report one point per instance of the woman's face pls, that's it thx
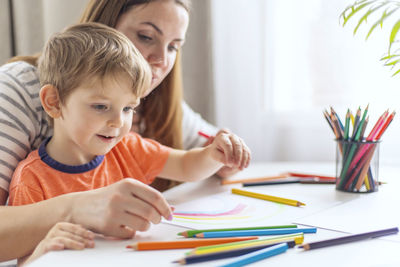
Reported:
(158, 30)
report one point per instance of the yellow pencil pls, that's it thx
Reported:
(267, 197)
(297, 238)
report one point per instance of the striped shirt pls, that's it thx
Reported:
(23, 125)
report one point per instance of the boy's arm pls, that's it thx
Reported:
(191, 165)
(226, 150)
(103, 210)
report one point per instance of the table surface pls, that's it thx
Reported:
(373, 252)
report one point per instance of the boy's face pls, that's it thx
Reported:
(95, 117)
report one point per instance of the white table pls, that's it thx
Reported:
(374, 252)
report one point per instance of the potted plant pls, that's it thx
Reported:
(378, 11)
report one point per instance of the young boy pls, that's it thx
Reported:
(92, 80)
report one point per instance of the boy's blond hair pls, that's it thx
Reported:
(91, 51)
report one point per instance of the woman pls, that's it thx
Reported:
(157, 28)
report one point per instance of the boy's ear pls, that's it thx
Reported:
(50, 100)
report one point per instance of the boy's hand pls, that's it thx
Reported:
(230, 150)
(121, 209)
(63, 235)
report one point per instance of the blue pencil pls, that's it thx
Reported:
(227, 254)
(256, 232)
(258, 255)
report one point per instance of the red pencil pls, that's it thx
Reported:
(204, 134)
(383, 128)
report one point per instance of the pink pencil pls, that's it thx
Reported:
(204, 134)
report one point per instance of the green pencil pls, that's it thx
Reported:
(353, 147)
(191, 233)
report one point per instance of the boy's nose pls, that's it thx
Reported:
(116, 121)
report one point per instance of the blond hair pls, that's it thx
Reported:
(91, 50)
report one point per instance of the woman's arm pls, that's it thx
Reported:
(117, 210)
(23, 124)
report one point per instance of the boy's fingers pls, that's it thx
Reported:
(145, 210)
(151, 196)
(237, 149)
(225, 144)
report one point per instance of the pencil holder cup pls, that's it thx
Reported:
(357, 166)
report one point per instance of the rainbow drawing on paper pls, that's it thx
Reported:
(213, 215)
(225, 210)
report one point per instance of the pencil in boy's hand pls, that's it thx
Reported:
(349, 238)
(186, 243)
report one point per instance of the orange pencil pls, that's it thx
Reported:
(252, 180)
(186, 243)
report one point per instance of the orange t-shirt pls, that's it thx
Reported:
(40, 177)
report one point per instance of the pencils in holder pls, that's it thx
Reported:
(357, 157)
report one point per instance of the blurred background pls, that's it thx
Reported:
(266, 69)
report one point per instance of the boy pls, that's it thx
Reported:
(92, 80)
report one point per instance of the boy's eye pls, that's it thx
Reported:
(99, 107)
(129, 109)
(173, 48)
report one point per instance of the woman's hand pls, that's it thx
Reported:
(120, 209)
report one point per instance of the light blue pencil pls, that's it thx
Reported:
(282, 231)
(258, 255)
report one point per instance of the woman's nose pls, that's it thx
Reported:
(158, 57)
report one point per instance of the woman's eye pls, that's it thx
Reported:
(99, 107)
(144, 37)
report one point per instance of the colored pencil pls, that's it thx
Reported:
(191, 233)
(349, 238)
(256, 179)
(338, 119)
(256, 232)
(225, 254)
(353, 147)
(310, 175)
(204, 135)
(186, 243)
(280, 200)
(356, 123)
(328, 119)
(297, 238)
(298, 180)
(347, 125)
(258, 255)
(384, 127)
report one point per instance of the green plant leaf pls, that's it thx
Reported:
(397, 72)
(394, 32)
(357, 6)
(384, 16)
(369, 12)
